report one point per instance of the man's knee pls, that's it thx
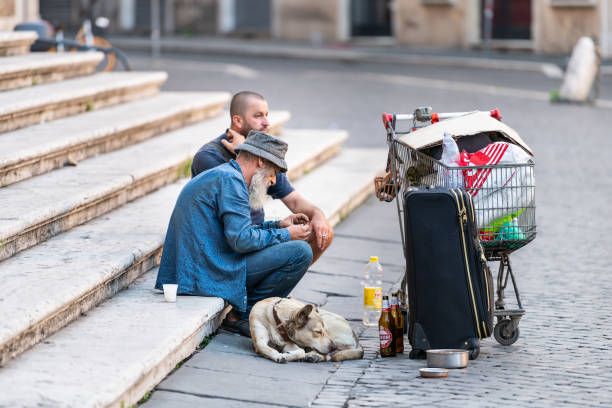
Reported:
(316, 251)
(329, 240)
(302, 252)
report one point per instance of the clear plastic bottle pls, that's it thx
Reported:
(517, 232)
(372, 292)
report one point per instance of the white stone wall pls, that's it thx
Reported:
(557, 29)
(13, 12)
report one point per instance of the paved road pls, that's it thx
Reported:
(353, 96)
(563, 357)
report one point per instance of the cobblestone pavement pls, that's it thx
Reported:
(563, 356)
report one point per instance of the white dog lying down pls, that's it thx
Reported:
(283, 328)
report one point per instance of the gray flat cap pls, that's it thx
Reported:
(267, 147)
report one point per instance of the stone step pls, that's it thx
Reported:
(128, 344)
(302, 142)
(16, 42)
(43, 206)
(28, 106)
(88, 256)
(340, 185)
(115, 354)
(22, 71)
(53, 283)
(41, 148)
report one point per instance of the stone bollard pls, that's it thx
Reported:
(581, 72)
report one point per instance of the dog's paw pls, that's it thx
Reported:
(281, 358)
(313, 357)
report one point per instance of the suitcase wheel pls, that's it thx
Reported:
(417, 354)
(506, 332)
(473, 348)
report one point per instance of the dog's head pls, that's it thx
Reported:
(307, 329)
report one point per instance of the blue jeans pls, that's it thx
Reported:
(275, 270)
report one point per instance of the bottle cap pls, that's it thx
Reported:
(373, 259)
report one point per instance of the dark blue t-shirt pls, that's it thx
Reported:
(210, 156)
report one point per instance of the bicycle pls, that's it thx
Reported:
(51, 39)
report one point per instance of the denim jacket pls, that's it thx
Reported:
(209, 235)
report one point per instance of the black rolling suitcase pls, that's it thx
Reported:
(450, 288)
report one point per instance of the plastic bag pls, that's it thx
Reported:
(498, 191)
(450, 158)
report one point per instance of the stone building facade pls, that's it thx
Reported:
(543, 26)
(13, 12)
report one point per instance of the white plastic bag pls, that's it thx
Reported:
(498, 191)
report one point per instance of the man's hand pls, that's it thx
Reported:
(234, 139)
(300, 232)
(294, 219)
(321, 229)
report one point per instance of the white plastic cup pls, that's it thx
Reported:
(170, 292)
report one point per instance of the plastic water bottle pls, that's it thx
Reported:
(517, 232)
(450, 158)
(372, 292)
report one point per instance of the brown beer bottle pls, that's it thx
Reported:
(386, 330)
(398, 319)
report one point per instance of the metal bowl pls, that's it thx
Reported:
(448, 358)
(433, 372)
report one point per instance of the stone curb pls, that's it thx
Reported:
(233, 48)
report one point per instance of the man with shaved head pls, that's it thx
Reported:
(249, 112)
(242, 101)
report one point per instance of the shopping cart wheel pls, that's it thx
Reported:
(506, 332)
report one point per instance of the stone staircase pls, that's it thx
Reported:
(36, 69)
(16, 42)
(90, 168)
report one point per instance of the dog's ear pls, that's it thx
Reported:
(302, 316)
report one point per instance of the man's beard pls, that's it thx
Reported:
(247, 128)
(258, 189)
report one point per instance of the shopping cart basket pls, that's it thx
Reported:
(504, 207)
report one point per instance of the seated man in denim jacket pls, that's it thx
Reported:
(249, 111)
(213, 249)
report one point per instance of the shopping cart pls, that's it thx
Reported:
(504, 207)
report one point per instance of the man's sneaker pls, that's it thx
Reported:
(238, 326)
